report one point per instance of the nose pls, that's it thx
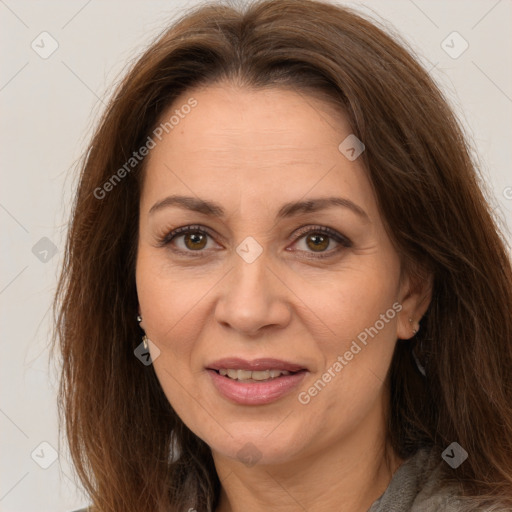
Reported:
(253, 298)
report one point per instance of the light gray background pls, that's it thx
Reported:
(49, 107)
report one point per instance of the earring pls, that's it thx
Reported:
(144, 338)
(420, 367)
(414, 329)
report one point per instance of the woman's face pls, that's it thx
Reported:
(271, 268)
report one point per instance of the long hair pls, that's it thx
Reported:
(130, 449)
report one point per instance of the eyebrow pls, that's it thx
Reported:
(287, 210)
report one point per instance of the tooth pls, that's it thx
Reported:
(261, 375)
(232, 374)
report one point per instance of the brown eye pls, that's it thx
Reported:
(195, 240)
(317, 242)
(188, 239)
(320, 242)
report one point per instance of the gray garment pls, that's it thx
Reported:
(416, 487)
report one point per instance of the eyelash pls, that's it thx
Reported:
(344, 242)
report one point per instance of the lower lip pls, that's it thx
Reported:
(256, 393)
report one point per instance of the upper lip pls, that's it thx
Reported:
(237, 363)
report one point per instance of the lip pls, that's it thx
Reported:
(255, 393)
(237, 363)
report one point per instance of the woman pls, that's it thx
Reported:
(284, 289)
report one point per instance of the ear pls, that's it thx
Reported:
(414, 296)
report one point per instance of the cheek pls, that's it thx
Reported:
(171, 300)
(174, 306)
(347, 302)
(358, 312)
(346, 391)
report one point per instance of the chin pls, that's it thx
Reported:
(257, 448)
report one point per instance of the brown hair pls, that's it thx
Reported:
(130, 449)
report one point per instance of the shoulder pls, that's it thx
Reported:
(418, 486)
(435, 496)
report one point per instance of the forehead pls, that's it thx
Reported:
(271, 120)
(255, 143)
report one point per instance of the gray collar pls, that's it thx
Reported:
(416, 487)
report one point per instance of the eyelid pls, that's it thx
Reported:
(304, 230)
(342, 241)
(183, 230)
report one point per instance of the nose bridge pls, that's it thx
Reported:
(252, 297)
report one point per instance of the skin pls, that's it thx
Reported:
(251, 151)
